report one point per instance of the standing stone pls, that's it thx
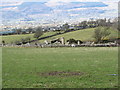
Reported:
(28, 44)
(63, 40)
(46, 42)
(78, 42)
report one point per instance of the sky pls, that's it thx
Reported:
(111, 3)
(61, 0)
(112, 8)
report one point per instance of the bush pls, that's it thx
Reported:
(71, 41)
(3, 42)
(17, 42)
(38, 32)
(101, 33)
(27, 39)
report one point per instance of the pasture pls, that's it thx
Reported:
(13, 38)
(83, 67)
(84, 35)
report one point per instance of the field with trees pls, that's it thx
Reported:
(85, 67)
(62, 67)
(84, 31)
(13, 38)
(84, 35)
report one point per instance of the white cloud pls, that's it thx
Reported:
(112, 5)
(77, 9)
(11, 3)
(25, 0)
(109, 0)
(10, 9)
(52, 3)
(56, 1)
(74, 14)
(61, 0)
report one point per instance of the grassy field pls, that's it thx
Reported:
(41, 67)
(13, 38)
(84, 35)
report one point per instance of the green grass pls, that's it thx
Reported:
(13, 38)
(22, 65)
(84, 35)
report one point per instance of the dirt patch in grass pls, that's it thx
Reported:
(60, 73)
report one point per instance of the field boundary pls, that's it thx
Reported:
(72, 45)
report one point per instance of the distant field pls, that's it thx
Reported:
(84, 67)
(84, 35)
(13, 38)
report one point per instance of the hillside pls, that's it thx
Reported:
(13, 38)
(84, 35)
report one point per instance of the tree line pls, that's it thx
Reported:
(67, 28)
(100, 33)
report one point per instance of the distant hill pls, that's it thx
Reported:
(31, 8)
(32, 11)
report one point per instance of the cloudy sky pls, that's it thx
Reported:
(111, 3)
(62, 0)
(110, 11)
